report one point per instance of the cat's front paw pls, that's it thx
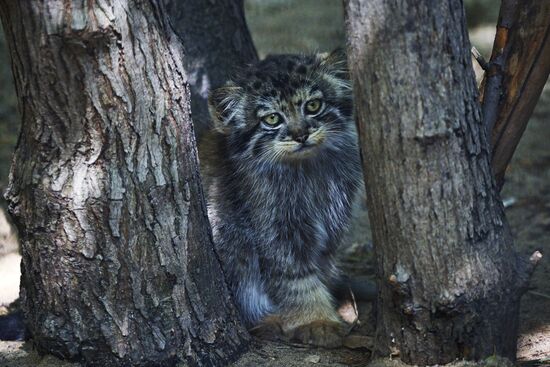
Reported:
(322, 333)
(270, 329)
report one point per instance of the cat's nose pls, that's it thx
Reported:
(301, 138)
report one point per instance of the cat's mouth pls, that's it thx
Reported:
(295, 150)
(302, 151)
(310, 145)
(304, 147)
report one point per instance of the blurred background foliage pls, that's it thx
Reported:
(481, 12)
(9, 120)
(277, 26)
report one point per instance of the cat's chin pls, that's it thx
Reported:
(304, 149)
(302, 153)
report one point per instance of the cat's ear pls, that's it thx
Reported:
(225, 107)
(335, 62)
(334, 67)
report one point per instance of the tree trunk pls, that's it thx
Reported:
(216, 41)
(521, 63)
(118, 261)
(449, 280)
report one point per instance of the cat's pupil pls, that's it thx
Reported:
(313, 106)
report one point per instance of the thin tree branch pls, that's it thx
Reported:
(479, 58)
(495, 73)
(518, 70)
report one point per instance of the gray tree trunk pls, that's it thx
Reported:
(118, 261)
(216, 41)
(449, 279)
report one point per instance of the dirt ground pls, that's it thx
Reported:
(528, 183)
(527, 190)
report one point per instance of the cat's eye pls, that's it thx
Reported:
(273, 119)
(313, 106)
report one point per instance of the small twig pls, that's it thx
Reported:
(526, 268)
(539, 294)
(479, 58)
(535, 258)
(355, 308)
(509, 202)
(293, 344)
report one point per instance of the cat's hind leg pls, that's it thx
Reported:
(308, 313)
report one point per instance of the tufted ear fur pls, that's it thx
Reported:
(335, 62)
(225, 107)
(335, 70)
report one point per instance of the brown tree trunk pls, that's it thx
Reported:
(449, 279)
(519, 68)
(216, 41)
(118, 261)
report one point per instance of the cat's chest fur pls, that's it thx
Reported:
(296, 214)
(297, 206)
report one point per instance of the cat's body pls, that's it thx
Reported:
(286, 169)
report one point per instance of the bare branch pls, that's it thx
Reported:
(517, 72)
(479, 58)
(495, 73)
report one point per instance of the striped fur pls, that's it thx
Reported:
(279, 205)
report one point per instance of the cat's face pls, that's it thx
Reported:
(286, 108)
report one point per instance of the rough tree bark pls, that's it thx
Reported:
(216, 41)
(449, 279)
(118, 262)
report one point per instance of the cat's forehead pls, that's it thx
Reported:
(286, 78)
